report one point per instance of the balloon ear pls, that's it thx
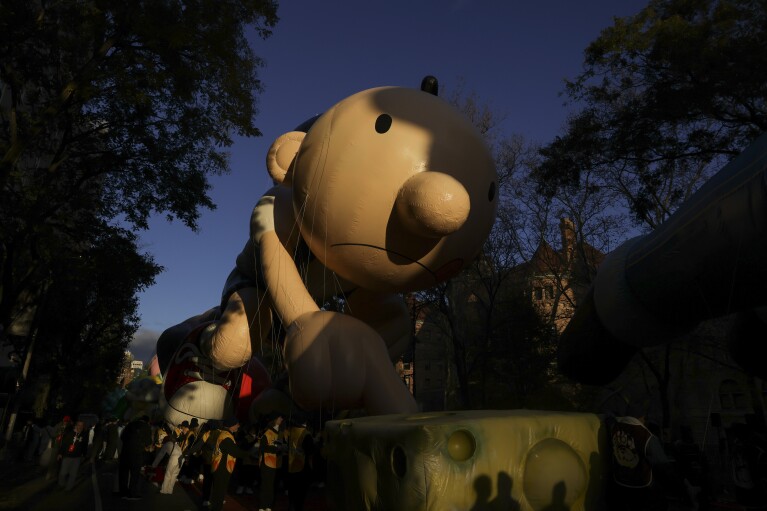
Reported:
(281, 155)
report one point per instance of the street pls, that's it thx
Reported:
(24, 487)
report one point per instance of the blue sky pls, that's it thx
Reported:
(514, 55)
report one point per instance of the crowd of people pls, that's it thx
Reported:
(282, 455)
(278, 454)
(648, 474)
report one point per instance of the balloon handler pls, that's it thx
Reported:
(391, 190)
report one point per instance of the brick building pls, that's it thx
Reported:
(552, 280)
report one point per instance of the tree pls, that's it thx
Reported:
(582, 217)
(498, 347)
(109, 112)
(86, 318)
(667, 95)
(120, 109)
(89, 316)
(562, 240)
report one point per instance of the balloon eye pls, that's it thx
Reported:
(491, 192)
(399, 461)
(461, 445)
(383, 123)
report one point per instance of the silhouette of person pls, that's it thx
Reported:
(503, 501)
(483, 487)
(558, 494)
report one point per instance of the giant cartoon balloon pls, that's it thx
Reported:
(390, 190)
(707, 260)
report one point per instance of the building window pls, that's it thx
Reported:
(406, 366)
(538, 293)
(549, 292)
(731, 396)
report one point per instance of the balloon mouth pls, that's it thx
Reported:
(388, 251)
(444, 272)
(448, 270)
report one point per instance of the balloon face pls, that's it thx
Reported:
(394, 190)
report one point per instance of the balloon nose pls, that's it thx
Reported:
(433, 204)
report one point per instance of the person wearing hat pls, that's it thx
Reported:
(180, 437)
(227, 453)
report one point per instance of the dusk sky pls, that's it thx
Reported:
(514, 55)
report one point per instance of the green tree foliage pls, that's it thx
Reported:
(111, 111)
(139, 97)
(666, 96)
(119, 109)
(88, 315)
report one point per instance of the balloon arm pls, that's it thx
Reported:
(274, 213)
(284, 284)
(228, 341)
(387, 314)
(338, 361)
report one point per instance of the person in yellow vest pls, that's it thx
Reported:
(163, 443)
(300, 451)
(160, 431)
(271, 457)
(179, 438)
(207, 434)
(191, 469)
(247, 472)
(226, 454)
